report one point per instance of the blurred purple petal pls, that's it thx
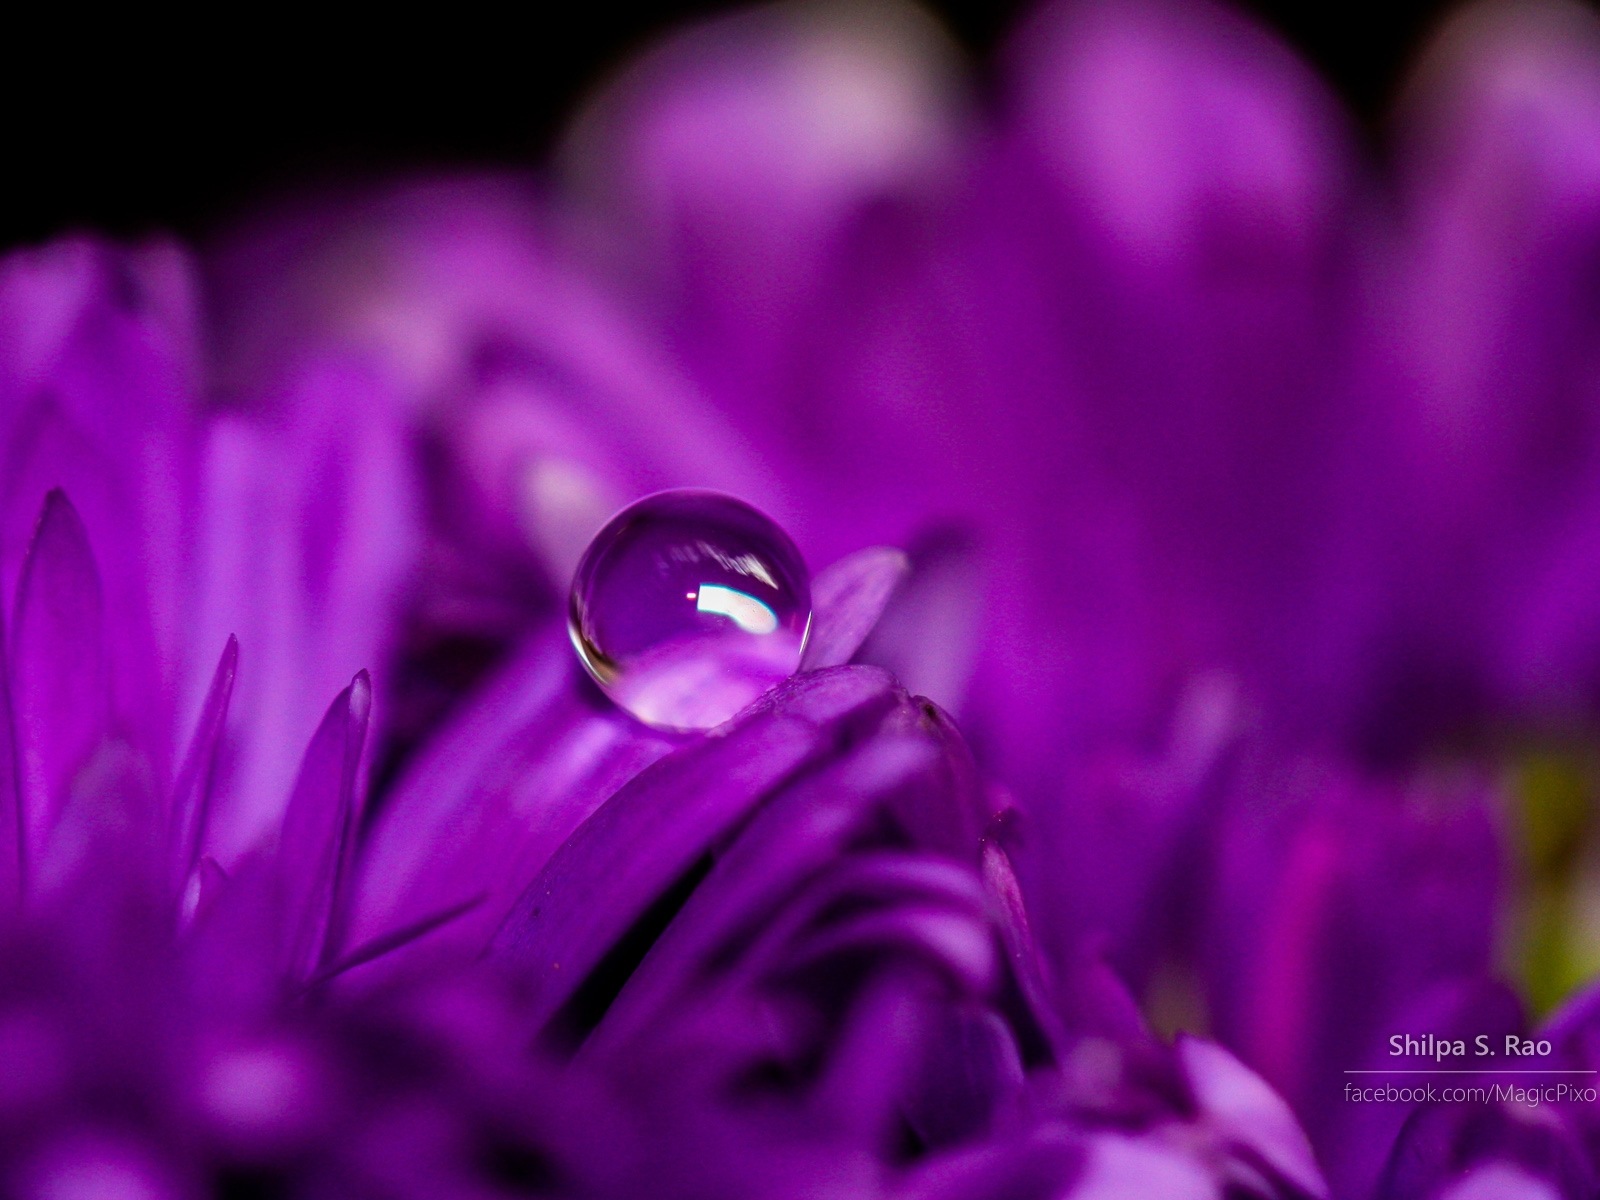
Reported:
(309, 531)
(847, 598)
(1482, 442)
(1498, 1148)
(59, 674)
(110, 825)
(1250, 1114)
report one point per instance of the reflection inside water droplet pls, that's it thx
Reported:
(687, 606)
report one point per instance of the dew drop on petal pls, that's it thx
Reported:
(687, 606)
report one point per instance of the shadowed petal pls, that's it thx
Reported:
(58, 665)
(1038, 1167)
(492, 796)
(319, 828)
(652, 833)
(803, 830)
(970, 1071)
(1496, 1149)
(13, 831)
(191, 792)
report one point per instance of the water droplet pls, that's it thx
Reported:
(687, 606)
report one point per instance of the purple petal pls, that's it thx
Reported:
(971, 1070)
(1121, 836)
(802, 831)
(1016, 939)
(495, 793)
(651, 833)
(108, 833)
(550, 411)
(930, 632)
(309, 534)
(209, 880)
(98, 1165)
(1163, 501)
(847, 599)
(1324, 877)
(1499, 1181)
(319, 829)
(58, 666)
(97, 402)
(1488, 1147)
(191, 792)
(1355, 1140)
(13, 831)
(1240, 1105)
(950, 937)
(1482, 383)
(390, 942)
(1118, 1165)
(728, 167)
(871, 1062)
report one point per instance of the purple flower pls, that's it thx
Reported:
(1114, 824)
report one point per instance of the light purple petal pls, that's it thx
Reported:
(726, 170)
(1457, 581)
(931, 630)
(847, 598)
(309, 536)
(98, 401)
(1250, 1114)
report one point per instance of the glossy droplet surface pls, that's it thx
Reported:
(687, 606)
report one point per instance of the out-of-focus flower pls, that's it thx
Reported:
(792, 952)
(1245, 492)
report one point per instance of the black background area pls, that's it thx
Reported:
(129, 127)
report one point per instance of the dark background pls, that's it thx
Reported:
(177, 128)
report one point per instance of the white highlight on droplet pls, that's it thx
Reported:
(748, 613)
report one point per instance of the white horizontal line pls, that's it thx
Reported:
(1524, 1071)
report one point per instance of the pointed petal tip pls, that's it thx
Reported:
(228, 661)
(360, 696)
(57, 507)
